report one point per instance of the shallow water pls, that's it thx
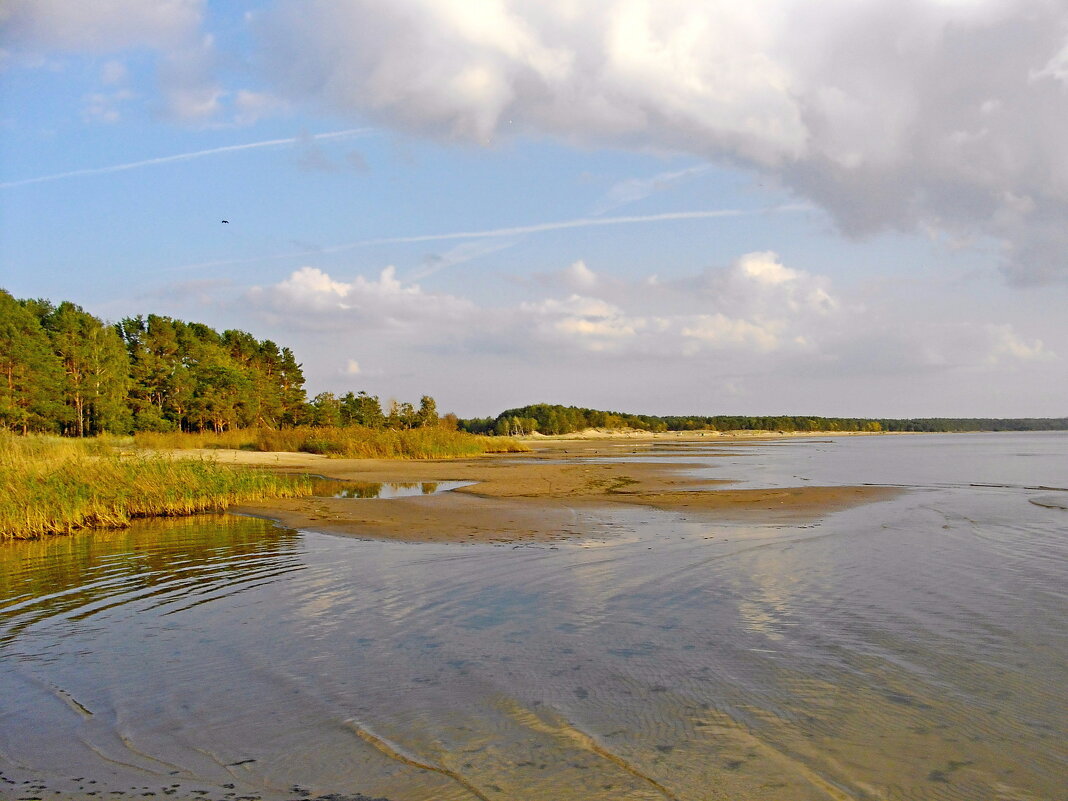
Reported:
(367, 490)
(910, 649)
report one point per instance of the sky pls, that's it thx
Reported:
(841, 208)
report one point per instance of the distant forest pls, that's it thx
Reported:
(552, 419)
(64, 371)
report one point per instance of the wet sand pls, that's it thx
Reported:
(529, 497)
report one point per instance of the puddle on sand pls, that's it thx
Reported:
(330, 488)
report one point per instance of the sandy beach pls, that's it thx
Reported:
(533, 496)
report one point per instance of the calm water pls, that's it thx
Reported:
(911, 649)
(366, 490)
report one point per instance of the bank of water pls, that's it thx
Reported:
(910, 649)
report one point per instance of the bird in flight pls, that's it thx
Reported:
(225, 222)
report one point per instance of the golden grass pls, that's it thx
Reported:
(50, 485)
(351, 442)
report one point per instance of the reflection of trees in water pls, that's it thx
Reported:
(363, 490)
(151, 563)
(329, 488)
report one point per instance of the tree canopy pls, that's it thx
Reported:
(64, 371)
(554, 419)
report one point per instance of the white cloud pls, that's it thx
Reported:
(191, 92)
(693, 338)
(1007, 345)
(98, 26)
(580, 276)
(310, 298)
(754, 311)
(925, 115)
(616, 70)
(719, 330)
(765, 268)
(760, 283)
(575, 305)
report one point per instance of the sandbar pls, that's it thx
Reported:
(550, 494)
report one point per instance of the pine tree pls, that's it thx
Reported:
(95, 367)
(30, 373)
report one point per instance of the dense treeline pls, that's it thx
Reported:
(64, 371)
(553, 419)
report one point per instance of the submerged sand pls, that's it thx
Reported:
(534, 496)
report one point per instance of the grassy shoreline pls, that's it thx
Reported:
(354, 442)
(50, 485)
(55, 485)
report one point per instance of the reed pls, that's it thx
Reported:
(50, 485)
(353, 442)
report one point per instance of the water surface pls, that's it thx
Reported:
(910, 649)
(369, 490)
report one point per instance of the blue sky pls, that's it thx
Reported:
(674, 207)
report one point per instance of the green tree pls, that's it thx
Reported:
(401, 415)
(362, 410)
(31, 375)
(325, 410)
(290, 382)
(427, 415)
(95, 365)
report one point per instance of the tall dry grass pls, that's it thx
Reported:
(352, 442)
(50, 485)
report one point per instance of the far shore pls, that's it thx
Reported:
(696, 435)
(550, 494)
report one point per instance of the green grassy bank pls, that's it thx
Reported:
(50, 485)
(353, 442)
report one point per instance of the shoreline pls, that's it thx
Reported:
(697, 435)
(529, 497)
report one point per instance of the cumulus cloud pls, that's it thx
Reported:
(753, 315)
(920, 115)
(310, 298)
(1006, 345)
(720, 330)
(580, 276)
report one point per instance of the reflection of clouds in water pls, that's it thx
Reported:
(766, 607)
(688, 655)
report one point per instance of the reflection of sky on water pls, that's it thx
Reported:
(908, 649)
(369, 490)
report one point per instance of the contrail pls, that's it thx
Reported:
(133, 165)
(491, 233)
(581, 222)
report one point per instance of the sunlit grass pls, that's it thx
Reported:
(50, 485)
(351, 442)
